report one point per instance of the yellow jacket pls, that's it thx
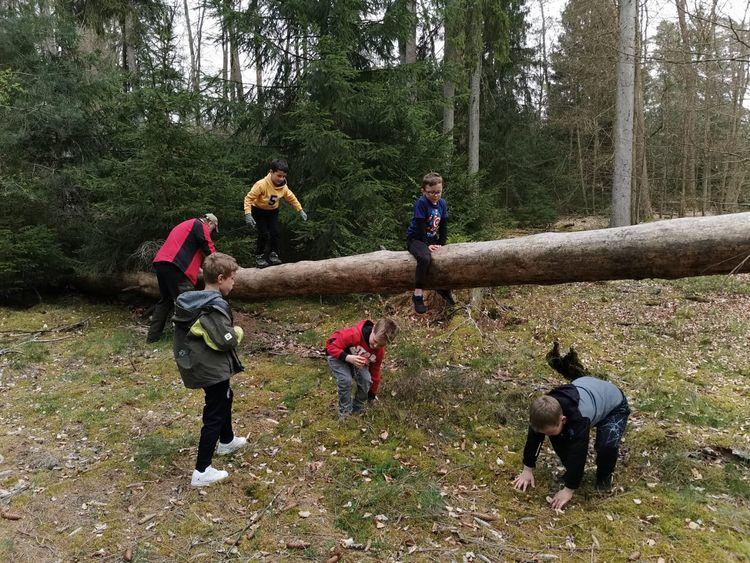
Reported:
(264, 195)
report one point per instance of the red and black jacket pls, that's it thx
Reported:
(186, 246)
(356, 340)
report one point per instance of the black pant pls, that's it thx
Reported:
(269, 231)
(172, 282)
(420, 251)
(217, 422)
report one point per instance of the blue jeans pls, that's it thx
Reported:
(609, 433)
(346, 375)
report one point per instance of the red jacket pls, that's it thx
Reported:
(186, 246)
(351, 340)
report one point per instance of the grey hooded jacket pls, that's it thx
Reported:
(202, 365)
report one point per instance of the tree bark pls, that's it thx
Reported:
(407, 47)
(621, 187)
(235, 73)
(449, 71)
(677, 248)
(687, 193)
(191, 47)
(544, 85)
(643, 209)
(475, 88)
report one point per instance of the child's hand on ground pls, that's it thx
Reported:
(434, 247)
(356, 361)
(524, 479)
(561, 498)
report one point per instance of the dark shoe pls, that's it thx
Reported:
(274, 259)
(261, 262)
(151, 338)
(448, 296)
(419, 305)
(604, 483)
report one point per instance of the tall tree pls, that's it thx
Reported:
(621, 185)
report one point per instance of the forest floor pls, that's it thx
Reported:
(98, 436)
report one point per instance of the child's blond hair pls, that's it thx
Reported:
(385, 329)
(217, 264)
(545, 412)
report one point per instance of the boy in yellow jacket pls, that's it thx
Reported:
(262, 212)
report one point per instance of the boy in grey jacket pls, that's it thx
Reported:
(205, 349)
(567, 414)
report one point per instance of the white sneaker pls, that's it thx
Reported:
(207, 477)
(236, 443)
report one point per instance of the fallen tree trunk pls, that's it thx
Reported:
(670, 249)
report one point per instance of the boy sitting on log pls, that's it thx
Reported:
(566, 414)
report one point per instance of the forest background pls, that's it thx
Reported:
(111, 132)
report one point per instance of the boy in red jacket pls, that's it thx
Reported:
(355, 354)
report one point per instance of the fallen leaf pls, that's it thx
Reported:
(128, 555)
(10, 515)
(304, 514)
(484, 516)
(637, 501)
(384, 435)
(146, 518)
(694, 525)
(379, 525)
(635, 556)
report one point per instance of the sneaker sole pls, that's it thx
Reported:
(198, 485)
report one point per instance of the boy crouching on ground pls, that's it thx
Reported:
(355, 354)
(566, 414)
(205, 349)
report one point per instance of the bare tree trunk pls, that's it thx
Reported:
(287, 61)
(623, 170)
(643, 208)
(235, 70)
(407, 47)
(594, 168)
(449, 69)
(48, 43)
(474, 96)
(581, 170)
(258, 52)
(544, 86)
(734, 171)
(687, 193)
(411, 39)
(129, 60)
(191, 47)
(225, 63)
(708, 95)
(199, 42)
(704, 245)
(475, 87)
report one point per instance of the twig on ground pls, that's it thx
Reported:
(447, 337)
(62, 328)
(254, 520)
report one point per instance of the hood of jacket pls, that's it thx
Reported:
(190, 303)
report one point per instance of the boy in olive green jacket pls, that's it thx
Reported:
(205, 349)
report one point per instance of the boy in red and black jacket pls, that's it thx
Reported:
(355, 354)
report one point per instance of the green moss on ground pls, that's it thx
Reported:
(101, 429)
